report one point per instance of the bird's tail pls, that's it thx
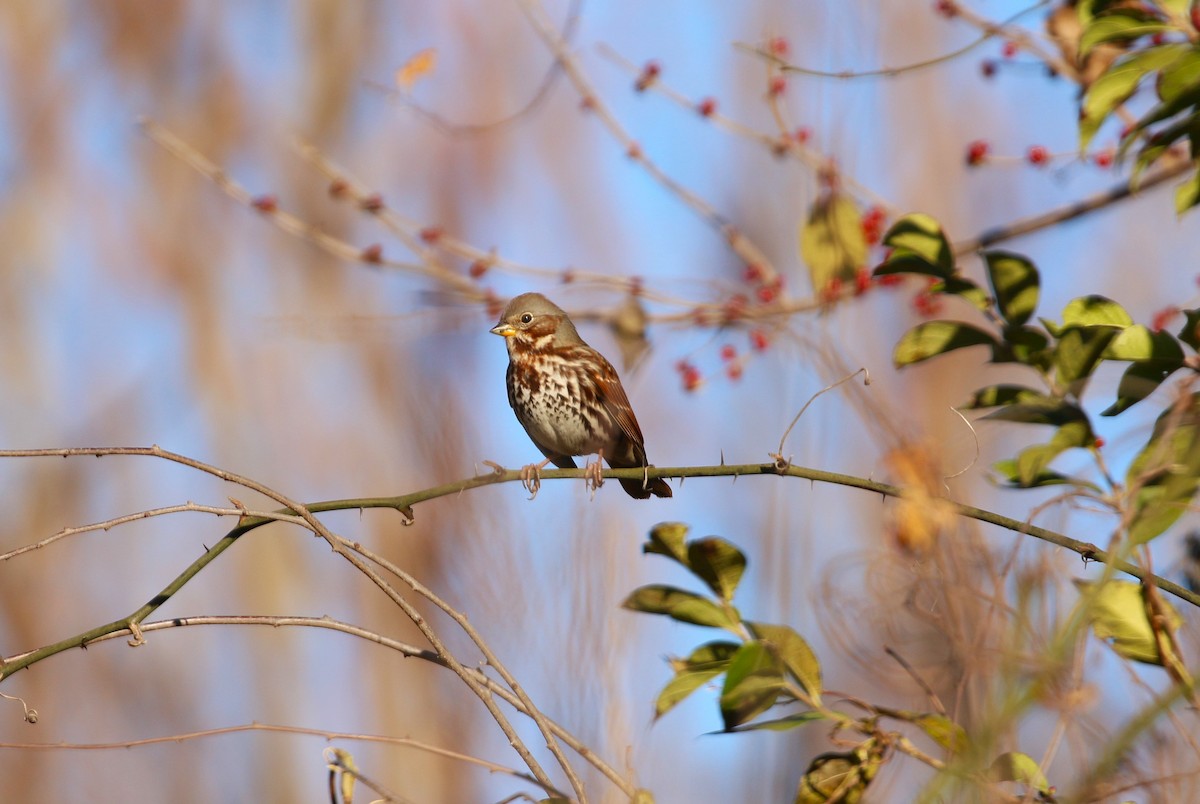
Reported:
(656, 486)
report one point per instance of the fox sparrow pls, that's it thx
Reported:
(567, 396)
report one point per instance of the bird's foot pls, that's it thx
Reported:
(593, 475)
(531, 477)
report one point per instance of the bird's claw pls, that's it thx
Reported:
(531, 478)
(593, 476)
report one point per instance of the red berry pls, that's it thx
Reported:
(1037, 155)
(431, 234)
(803, 135)
(890, 280)
(477, 269)
(927, 304)
(372, 203)
(728, 352)
(862, 281)
(568, 276)
(1158, 38)
(987, 68)
(1009, 50)
(758, 340)
(649, 75)
(265, 203)
(767, 293)
(1162, 319)
(947, 8)
(338, 187)
(1104, 159)
(778, 47)
(872, 223)
(977, 152)
(754, 272)
(372, 253)
(832, 290)
(1098, 443)
(734, 371)
(689, 374)
(776, 86)
(707, 107)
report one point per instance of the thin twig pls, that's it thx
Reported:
(1071, 211)
(148, 514)
(403, 648)
(990, 32)
(778, 455)
(741, 245)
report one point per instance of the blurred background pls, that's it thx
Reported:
(139, 304)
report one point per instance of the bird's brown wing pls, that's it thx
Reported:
(615, 401)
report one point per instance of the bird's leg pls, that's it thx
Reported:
(531, 477)
(593, 476)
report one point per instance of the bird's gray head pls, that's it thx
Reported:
(533, 321)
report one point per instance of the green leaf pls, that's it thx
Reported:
(1180, 76)
(1162, 139)
(943, 731)
(795, 653)
(1117, 612)
(1090, 311)
(704, 664)
(1179, 7)
(718, 563)
(781, 724)
(1008, 470)
(964, 288)
(832, 243)
(1187, 195)
(752, 683)
(1017, 767)
(668, 539)
(1190, 334)
(1166, 472)
(844, 775)
(1138, 342)
(1156, 354)
(677, 604)
(1045, 410)
(920, 246)
(1032, 462)
(1024, 345)
(1115, 86)
(1077, 354)
(1126, 25)
(1137, 383)
(993, 396)
(933, 338)
(1015, 283)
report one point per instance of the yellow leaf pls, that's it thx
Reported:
(415, 69)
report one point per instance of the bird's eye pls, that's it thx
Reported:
(526, 318)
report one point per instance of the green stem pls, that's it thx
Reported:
(404, 503)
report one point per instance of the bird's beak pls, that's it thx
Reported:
(504, 330)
